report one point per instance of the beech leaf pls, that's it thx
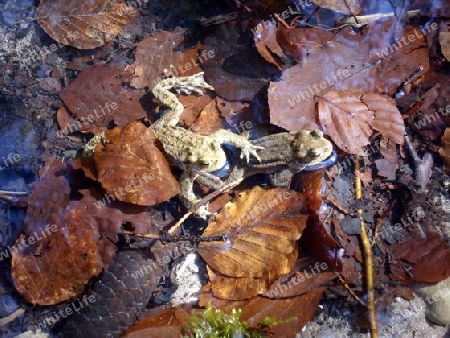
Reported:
(155, 56)
(96, 98)
(83, 24)
(261, 229)
(342, 62)
(303, 307)
(348, 118)
(60, 250)
(131, 168)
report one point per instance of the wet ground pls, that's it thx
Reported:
(31, 78)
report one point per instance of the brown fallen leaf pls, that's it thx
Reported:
(348, 118)
(193, 107)
(292, 100)
(167, 324)
(154, 58)
(386, 168)
(388, 149)
(369, 62)
(430, 264)
(131, 168)
(59, 267)
(444, 41)
(96, 98)
(302, 307)
(347, 7)
(208, 121)
(307, 276)
(301, 42)
(61, 249)
(236, 72)
(70, 125)
(81, 24)
(266, 43)
(444, 150)
(261, 228)
(114, 213)
(388, 119)
(240, 288)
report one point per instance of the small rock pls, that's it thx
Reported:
(437, 300)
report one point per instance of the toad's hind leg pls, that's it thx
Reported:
(186, 85)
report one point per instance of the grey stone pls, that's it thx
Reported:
(437, 300)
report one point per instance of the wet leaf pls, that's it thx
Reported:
(444, 151)
(347, 7)
(131, 168)
(208, 121)
(81, 24)
(261, 229)
(61, 249)
(302, 307)
(167, 323)
(301, 42)
(292, 100)
(155, 57)
(367, 62)
(235, 71)
(96, 98)
(386, 168)
(60, 266)
(348, 118)
(444, 41)
(266, 43)
(430, 264)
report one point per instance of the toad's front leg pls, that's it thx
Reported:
(187, 194)
(247, 148)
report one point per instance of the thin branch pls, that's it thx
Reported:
(367, 249)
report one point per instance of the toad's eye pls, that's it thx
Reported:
(315, 152)
(191, 159)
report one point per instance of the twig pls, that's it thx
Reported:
(338, 207)
(381, 219)
(350, 291)
(367, 249)
(7, 192)
(203, 201)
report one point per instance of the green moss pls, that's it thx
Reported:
(212, 323)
